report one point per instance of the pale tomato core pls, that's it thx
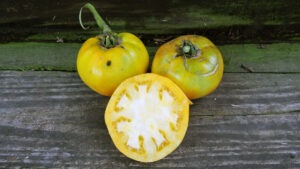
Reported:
(151, 113)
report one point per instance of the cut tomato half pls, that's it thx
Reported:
(147, 117)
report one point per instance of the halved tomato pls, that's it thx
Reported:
(147, 117)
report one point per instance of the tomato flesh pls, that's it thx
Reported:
(147, 117)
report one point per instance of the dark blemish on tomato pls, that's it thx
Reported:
(108, 63)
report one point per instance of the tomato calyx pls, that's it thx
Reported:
(188, 50)
(108, 39)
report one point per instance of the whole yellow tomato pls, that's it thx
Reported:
(193, 62)
(103, 69)
(105, 61)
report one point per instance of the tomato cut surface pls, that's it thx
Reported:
(147, 117)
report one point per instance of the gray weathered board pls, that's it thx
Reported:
(52, 120)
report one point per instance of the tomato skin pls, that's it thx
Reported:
(196, 76)
(103, 69)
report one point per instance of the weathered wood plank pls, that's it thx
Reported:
(277, 57)
(238, 94)
(257, 20)
(67, 12)
(52, 120)
(269, 141)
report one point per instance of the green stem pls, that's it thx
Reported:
(108, 38)
(99, 20)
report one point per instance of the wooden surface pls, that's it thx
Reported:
(223, 22)
(50, 119)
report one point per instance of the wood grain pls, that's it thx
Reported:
(230, 21)
(268, 141)
(238, 94)
(52, 120)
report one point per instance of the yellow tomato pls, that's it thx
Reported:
(147, 117)
(104, 61)
(103, 69)
(193, 62)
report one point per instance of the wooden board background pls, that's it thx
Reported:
(231, 21)
(50, 119)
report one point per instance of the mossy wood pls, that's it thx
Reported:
(277, 57)
(223, 22)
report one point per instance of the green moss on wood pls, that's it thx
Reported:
(38, 56)
(45, 22)
(277, 57)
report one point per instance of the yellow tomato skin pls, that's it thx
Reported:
(103, 69)
(196, 76)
